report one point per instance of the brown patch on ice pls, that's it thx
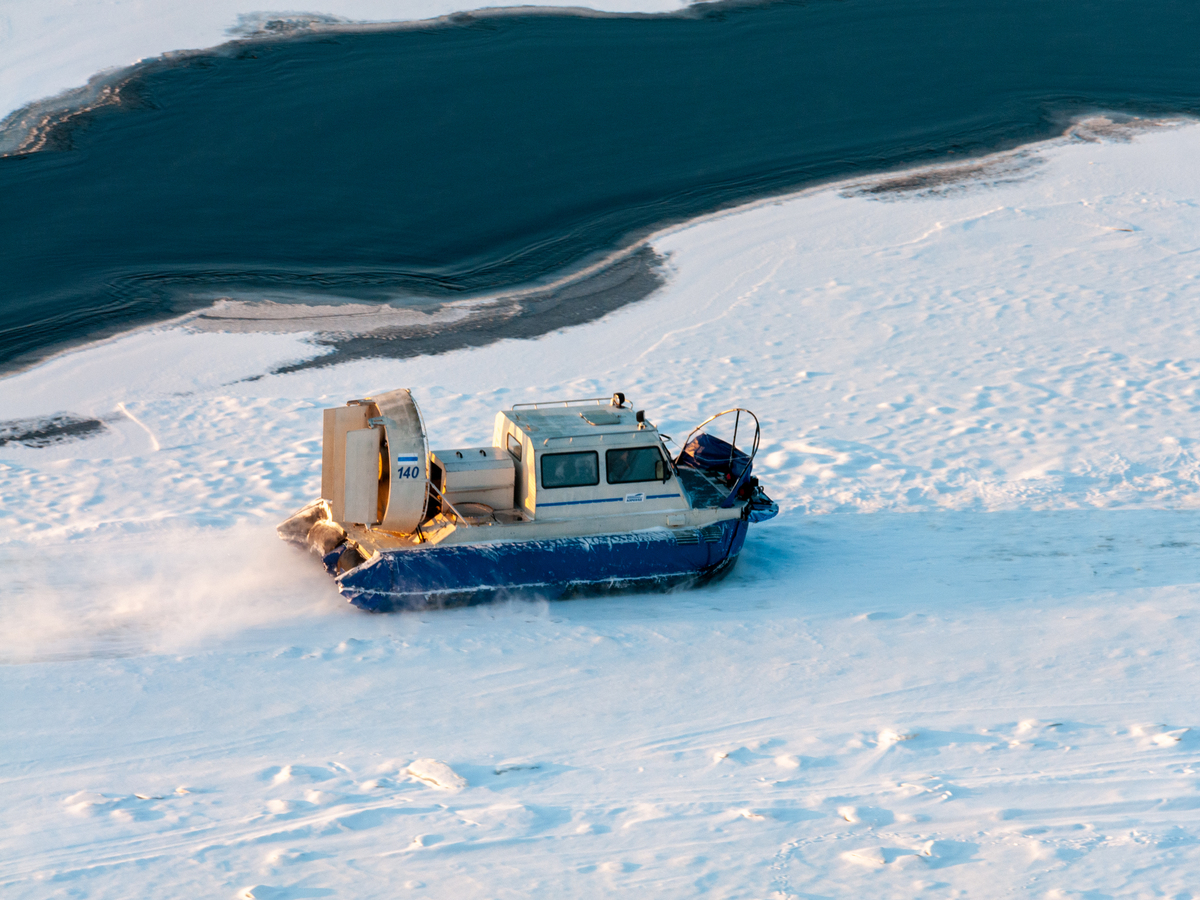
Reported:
(257, 316)
(945, 179)
(1117, 129)
(46, 432)
(372, 331)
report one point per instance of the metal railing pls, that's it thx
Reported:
(737, 410)
(460, 516)
(581, 400)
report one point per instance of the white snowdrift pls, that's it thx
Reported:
(961, 660)
(436, 774)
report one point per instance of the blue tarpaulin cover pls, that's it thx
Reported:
(715, 455)
(707, 452)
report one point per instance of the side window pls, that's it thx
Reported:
(632, 464)
(514, 446)
(570, 469)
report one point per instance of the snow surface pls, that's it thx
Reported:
(962, 661)
(48, 48)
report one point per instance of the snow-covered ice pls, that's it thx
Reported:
(961, 661)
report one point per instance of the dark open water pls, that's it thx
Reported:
(493, 152)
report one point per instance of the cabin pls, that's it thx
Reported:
(565, 462)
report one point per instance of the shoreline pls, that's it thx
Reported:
(342, 332)
(24, 129)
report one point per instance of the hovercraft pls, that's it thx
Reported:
(571, 497)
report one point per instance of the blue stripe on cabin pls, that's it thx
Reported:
(579, 502)
(606, 500)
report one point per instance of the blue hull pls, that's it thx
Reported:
(463, 574)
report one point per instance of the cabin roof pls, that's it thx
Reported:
(573, 421)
